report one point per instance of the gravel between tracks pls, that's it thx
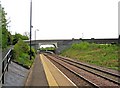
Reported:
(102, 68)
(97, 80)
(78, 81)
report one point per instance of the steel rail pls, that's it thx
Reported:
(112, 80)
(117, 75)
(75, 73)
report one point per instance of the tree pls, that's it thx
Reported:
(20, 48)
(18, 36)
(4, 29)
(6, 37)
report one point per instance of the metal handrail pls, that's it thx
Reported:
(6, 55)
(5, 63)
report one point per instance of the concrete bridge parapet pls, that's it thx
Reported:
(61, 44)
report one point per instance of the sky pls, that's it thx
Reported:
(64, 19)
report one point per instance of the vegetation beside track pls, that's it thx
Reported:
(21, 54)
(105, 55)
(6, 38)
(21, 51)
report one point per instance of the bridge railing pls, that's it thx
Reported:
(5, 63)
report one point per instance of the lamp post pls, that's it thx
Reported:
(82, 35)
(35, 39)
(30, 27)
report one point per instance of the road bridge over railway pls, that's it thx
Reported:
(61, 44)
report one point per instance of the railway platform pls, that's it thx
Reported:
(36, 75)
(45, 73)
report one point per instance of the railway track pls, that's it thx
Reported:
(99, 77)
(99, 72)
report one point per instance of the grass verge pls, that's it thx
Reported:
(105, 55)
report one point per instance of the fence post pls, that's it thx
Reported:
(11, 55)
(3, 72)
(7, 62)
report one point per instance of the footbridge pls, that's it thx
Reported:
(61, 44)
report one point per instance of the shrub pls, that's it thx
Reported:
(20, 48)
(21, 53)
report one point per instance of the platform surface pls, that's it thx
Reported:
(36, 76)
(54, 76)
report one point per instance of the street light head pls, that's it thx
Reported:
(37, 29)
(31, 26)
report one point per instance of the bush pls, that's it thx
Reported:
(32, 52)
(20, 48)
(25, 61)
(21, 53)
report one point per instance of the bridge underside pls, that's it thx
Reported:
(47, 43)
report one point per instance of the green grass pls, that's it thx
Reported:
(100, 55)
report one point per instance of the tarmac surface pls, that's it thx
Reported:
(37, 76)
(16, 75)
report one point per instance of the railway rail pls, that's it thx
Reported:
(94, 70)
(97, 77)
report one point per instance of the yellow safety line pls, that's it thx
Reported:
(50, 78)
(63, 74)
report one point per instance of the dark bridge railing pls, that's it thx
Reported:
(5, 62)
